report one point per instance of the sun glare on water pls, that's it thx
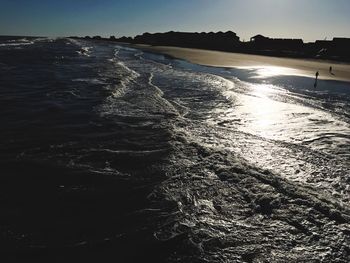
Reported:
(262, 112)
(273, 71)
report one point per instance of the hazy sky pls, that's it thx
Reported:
(308, 19)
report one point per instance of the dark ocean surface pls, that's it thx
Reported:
(113, 154)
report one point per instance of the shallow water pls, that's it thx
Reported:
(108, 150)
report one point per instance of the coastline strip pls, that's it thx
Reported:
(301, 67)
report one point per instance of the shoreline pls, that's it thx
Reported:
(272, 66)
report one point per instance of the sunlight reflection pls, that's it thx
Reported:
(272, 71)
(262, 112)
(266, 124)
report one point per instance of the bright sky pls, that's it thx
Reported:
(307, 19)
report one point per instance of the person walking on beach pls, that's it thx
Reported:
(331, 71)
(317, 74)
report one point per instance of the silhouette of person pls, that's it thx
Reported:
(317, 74)
(331, 71)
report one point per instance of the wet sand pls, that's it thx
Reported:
(279, 66)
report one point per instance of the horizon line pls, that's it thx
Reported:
(171, 31)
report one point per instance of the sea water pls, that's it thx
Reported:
(108, 151)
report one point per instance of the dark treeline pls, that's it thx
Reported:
(336, 49)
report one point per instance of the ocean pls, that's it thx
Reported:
(114, 153)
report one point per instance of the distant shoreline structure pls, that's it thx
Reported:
(336, 49)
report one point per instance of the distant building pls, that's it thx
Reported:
(341, 42)
(279, 44)
(227, 41)
(232, 35)
(258, 38)
(323, 43)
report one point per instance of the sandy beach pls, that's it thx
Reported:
(271, 65)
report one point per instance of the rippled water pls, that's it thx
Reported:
(112, 152)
